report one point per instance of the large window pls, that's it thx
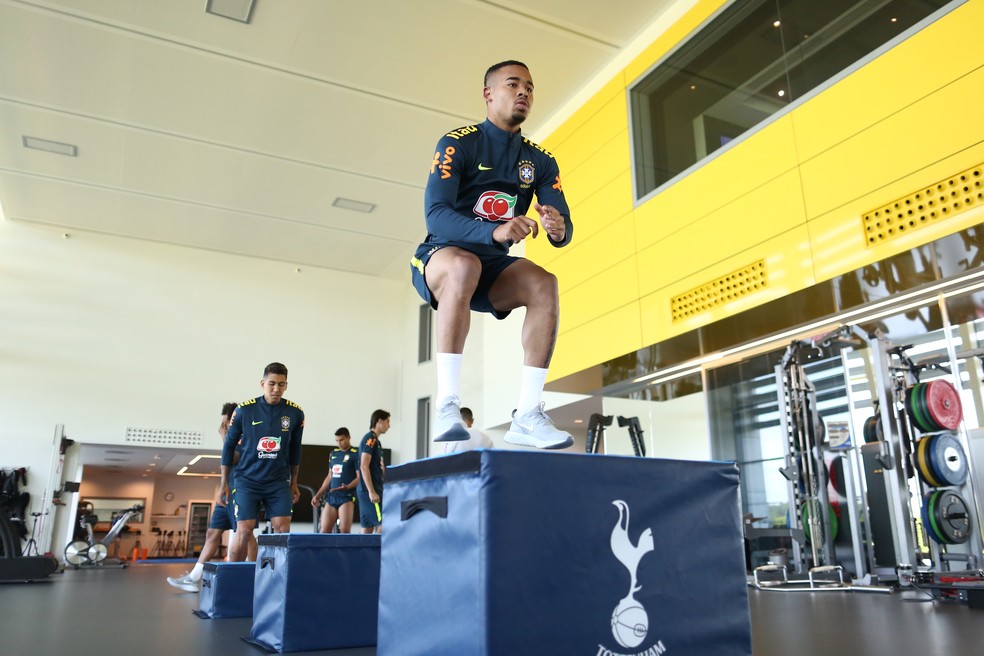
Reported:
(751, 61)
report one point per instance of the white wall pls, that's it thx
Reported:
(102, 333)
(671, 429)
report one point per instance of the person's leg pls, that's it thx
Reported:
(332, 519)
(345, 514)
(251, 547)
(367, 513)
(281, 524)
(525, 284)
(239, 544)
(279, 504)
(324, 526)
(218, 524)
(452, 275)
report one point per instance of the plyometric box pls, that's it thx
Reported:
(497, 553)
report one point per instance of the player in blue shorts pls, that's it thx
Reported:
(222, 520)
(372, 470)
(268, 430)
(339, 485)
(482, 182)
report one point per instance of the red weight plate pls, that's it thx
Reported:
(943, 404)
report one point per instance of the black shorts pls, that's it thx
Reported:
(492, 266)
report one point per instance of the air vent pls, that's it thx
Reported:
(938, 201)
(744, 281)
(163, 436)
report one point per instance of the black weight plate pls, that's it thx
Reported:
(923, 422)
(952, 517)
(872, 429)
(947, 459)
(943, 404)
(837, 476)
(922, 461)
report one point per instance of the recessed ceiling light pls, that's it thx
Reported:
(56, 147)
(355, 205)
(237, 10)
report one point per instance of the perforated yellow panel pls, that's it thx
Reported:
(736, 284)
(939, 201)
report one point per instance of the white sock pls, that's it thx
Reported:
(196, 572)
(448, 377)
(530, 389)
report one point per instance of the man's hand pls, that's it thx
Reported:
(374, 497)
(515, 230)
(222, 495)
(295, 493)
(552, 221)
(315, 500)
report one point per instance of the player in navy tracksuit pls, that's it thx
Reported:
(268, 430)
(339, 485)
(372, 470)
(481, 185)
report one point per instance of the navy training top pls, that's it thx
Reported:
(269, 438)
(343, 465)
(370, 444)
(481, 175)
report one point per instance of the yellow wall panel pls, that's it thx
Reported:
(944, 51)
(587, 256)
(600, 294)
(615, 88)
(604, 338)
(608, 122)
(760, 158)
(601, 167)
(789, 268)
(756, 217)
(930, 130)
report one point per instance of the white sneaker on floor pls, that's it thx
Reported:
(448, 425)
(534, 428)
(184, 582)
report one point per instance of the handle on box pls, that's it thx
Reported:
(266, 561)
(206, 583)
(410, 507)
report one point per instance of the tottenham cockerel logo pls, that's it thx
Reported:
(630, 623)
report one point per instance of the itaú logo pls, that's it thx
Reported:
(630, 622)
(495, 206)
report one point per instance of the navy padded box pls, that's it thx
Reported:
(227, 590)
(315, 591)
(497, 553)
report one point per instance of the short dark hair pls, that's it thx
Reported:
(494, 67)
(466, 414)
(229, 408)
(378, 415)
(343, 431)
(275, 368)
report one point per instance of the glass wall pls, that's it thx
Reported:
(753, 60)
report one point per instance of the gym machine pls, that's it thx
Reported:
(597, 425)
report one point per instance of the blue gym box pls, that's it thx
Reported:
(227, 590)
(498, 553)
(315, 591)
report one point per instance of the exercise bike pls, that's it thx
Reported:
(82, 553)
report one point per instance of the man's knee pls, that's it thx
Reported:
(457, 271)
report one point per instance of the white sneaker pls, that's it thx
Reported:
(535, 429)
(184, 582)
(448, 425)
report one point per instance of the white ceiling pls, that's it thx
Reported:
(201, 131)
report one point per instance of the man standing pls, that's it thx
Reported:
(482, 181)
(373, 470)
(476, 438)
(222, 520)
(340, 485)
(269, 429)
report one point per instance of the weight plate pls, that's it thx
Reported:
(929, 516)
(943, 404)
(951, 515)
(837, 476)
(805, 518)
(947, 459)
(76, 552)
(872, 429)
(922, 461)
(916, 408)
(97, 552)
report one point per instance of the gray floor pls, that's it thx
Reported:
(132, 611)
